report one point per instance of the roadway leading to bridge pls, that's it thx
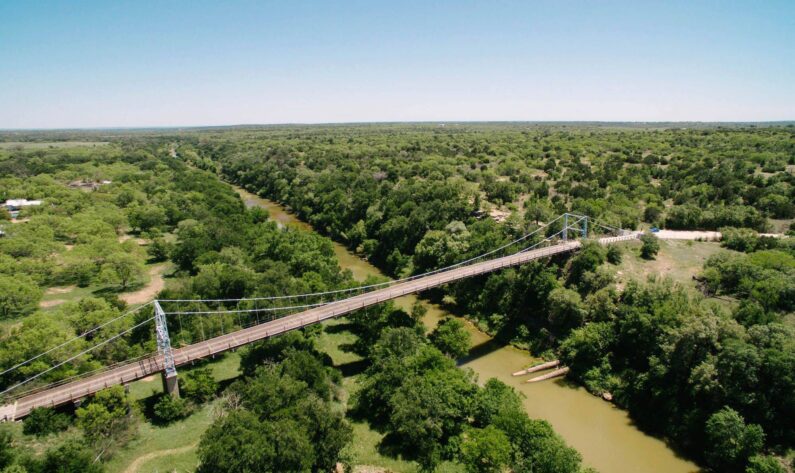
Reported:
(132, 371)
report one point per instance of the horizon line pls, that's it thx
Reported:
(423, 122)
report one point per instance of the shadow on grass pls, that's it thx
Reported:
(353, 368)
(390, 447)
(339, 328)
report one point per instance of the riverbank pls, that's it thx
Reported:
(602, 433)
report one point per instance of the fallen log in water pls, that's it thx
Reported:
(550, 375)
(538, 367)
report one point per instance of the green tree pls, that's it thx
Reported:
(730, 441)
(451, 337)
(71, 457)
(199, 385)
(43, 421)
(614, 254)
(122, 268)
(764, 464)
(428, 410)
(159, 250)
(536, 447)
(169, 408)
(565, 309)
(591, 256)
(241, 443)
(651, 214)
(485, 450)
(107, 415)
(494, 400)
(649, 247)
(146, 217)
(19, 295)
(6, 448)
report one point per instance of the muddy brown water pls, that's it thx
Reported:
(602, 433)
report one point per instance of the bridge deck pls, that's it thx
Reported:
(126, 373)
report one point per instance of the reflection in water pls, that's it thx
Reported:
(603, 433)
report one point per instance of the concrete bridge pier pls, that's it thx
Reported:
(170, 383)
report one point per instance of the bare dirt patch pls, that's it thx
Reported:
(139, 241)
(369, 469)
(51, 303)
(59, 290)
(147, 293)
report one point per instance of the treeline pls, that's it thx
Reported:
(381, 189)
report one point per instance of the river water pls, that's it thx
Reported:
(602, 433)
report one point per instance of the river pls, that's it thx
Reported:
(602, 433)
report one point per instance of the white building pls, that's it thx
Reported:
(17, 204)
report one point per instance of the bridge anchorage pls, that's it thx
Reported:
(219, 325)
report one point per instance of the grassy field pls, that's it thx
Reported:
(678, 260)
(160, 449)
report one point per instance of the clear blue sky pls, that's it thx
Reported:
(163, 63)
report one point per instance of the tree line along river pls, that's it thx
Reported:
(602, 433)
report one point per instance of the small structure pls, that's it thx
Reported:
(15, 205)
(88, 185)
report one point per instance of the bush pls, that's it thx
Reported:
(731, 441)
(169, 408)
(71, 457)
(486, 450)
(159, 249)
(651, 245)
(451, 338)
(739, 239)
(199, 385)
(44, 421)
(614, 255)
(764, 464)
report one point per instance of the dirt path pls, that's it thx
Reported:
(156, 284)
(51, 303)
(139, 462)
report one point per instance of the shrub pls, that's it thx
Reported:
(650, 246)
(614, 254)
(44, 421)
(169, 408)
(451, 337)
(199, 385)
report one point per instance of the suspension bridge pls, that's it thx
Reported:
(266, 317)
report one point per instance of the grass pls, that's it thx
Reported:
(76, 293)
(781, 225)
(678, 260)
(152, 439)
